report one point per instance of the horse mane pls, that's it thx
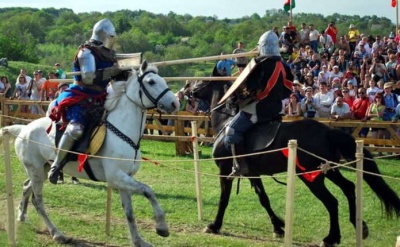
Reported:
(118, 88)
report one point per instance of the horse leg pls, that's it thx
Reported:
(277, 222)
(127, 185)
(23, 205)
(37, 200)
(226, 188)
(348, 189)
(126, 200)
(318, 188)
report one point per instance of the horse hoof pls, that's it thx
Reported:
(59, 238)
(278, 235)
(323, 244)
(163, 233)
(209, 230)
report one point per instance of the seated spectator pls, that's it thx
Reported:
(309, 105)
(324, 100)
(375, 113)
(340, 110)
(293, 109)
(372, 90)
(359, 110)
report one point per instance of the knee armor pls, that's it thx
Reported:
(75, 130)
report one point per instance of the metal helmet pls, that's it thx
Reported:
(104, 32)
(268, 44)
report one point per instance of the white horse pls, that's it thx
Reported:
(125, 125)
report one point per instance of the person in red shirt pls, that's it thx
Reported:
(359, 110)
(332, 31)
(49, 88)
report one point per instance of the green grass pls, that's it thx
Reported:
(79, 210)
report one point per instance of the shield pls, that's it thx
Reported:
(128, 61)
(240, 80)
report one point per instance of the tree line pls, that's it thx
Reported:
(49, 35)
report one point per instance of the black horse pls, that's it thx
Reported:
(317, 138)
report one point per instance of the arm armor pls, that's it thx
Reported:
(87, 66)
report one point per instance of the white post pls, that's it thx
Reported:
(291, 176)
(9, 189)
(359, 192)
(108, 211)
(195, 141)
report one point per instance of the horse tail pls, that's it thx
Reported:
(345, 143)
(14, 130)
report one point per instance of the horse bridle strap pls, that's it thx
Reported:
(121, 135)
(148, 95)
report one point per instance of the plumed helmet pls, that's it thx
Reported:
(268, 44)
(104, 32)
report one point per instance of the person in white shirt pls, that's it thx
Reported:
(326, 42)
(324, 100)
(372, 90)
(314, 38)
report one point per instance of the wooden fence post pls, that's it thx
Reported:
(291, 176)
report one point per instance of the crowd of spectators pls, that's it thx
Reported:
(353, 76)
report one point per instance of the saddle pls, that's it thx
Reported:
(261, 135)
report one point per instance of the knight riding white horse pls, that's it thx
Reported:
(97, 63)
(125, 122)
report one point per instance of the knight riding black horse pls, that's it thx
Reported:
(317, 138)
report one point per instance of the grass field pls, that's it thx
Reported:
(79, 210)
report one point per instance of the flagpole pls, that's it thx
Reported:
(290, 4)
(397, 16)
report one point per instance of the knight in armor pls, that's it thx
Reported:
(96, 61)
(267, 85)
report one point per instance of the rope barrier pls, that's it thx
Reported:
(162, 162)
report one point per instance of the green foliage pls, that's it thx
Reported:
(33, 35)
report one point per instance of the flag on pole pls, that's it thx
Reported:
(292, 4)
(394, 3)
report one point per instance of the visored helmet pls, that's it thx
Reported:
(268, 44)
(104, 32)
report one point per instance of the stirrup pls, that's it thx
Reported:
(237, 173)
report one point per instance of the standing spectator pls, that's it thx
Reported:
(359, 110)
(377, 70)
(332, 31)
(60, 71)
(287, 39)
(4, 86)
(224, 66)
(344, 45)
(304, 35)
(21, 91)
(326, 42)
(34, 88)
(241, 62)
(391, 67)
(340, 110)
(314, 38)
(24, 73)
(49, 88)
(354, 35)
(324, 99)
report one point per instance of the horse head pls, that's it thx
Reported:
(149, 90)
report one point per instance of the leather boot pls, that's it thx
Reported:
(65, 144)
(240, 166)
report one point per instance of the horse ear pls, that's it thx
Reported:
(144, 65)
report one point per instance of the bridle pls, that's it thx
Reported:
(146, 92)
